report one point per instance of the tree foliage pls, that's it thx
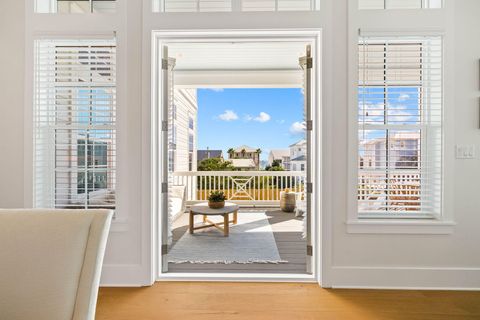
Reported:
(215, 164)
(276, 166)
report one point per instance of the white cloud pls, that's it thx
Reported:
(228, 115)
(262, 117)
(297, 128)
(216, 89)
(281, 121)
(403, 97)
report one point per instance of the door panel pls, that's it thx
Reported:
(306, 63)
(168, 147)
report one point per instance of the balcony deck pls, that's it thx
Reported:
(288, 236)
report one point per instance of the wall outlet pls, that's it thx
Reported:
(465, 151)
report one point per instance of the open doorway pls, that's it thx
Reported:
(236, 124)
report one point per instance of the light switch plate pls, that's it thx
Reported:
(465, 151)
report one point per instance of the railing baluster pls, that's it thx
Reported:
(253, 187)
(258, 188)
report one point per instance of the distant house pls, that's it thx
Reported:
(298, 158)
(208, 154)
(282, 156)
(245, 152)
(183, 143)
(403, 152)
(244, 164)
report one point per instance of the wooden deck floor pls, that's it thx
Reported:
(281, 301)
(288, 236)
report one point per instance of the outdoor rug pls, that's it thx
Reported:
(251, 240)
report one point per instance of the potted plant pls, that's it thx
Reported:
(216, 200)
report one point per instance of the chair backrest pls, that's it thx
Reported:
(50, 262)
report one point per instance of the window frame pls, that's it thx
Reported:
(443, 224)
(388, 89)
(111, 125)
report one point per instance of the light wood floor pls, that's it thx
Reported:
(291, 247)
(277, 301)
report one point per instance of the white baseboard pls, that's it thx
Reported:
(413, 278)
(124, 275)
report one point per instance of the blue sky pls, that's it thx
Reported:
(260, 118)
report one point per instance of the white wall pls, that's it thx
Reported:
(351, 259)
(12, 48)
(406, 260)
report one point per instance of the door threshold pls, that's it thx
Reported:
(237, 277)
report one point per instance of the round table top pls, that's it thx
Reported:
(203, 208)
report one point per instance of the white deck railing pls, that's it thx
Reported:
(243, 187)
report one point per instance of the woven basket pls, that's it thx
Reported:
(216, 205)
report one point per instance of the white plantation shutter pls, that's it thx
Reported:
(74, 123)
(400, 126)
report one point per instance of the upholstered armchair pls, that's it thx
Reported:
(50, 263)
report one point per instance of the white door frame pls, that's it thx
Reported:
(160, 38)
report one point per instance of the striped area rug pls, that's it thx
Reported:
(251, 240)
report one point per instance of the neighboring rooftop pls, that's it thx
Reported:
(280, 153)
(207, 154)
(299, 143)
(247, 149)
(301, 158)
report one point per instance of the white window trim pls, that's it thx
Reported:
(158, 6)
(157, 157)
(391, 23)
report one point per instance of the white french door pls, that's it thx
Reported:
(306, 63)
(168, 143)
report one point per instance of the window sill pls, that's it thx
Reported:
(390, 226)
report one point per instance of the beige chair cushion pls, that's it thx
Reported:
(50, 263)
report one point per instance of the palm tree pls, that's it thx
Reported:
(230, 152)
(258, 151)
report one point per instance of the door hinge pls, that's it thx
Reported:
(164, 64)
(309, 250)
(164, 187)
(164, 249)
(309, 63)
(164, 125)
(309, 187)
(309, 125)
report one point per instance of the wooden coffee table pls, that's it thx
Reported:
(205, 211)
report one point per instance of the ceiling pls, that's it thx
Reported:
(237, 55)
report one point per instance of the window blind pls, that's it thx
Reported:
(400, 126)
(280, 5)
(197, 5)
(75, 6)
(400, 4)
(234, 5)
(75, 123)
